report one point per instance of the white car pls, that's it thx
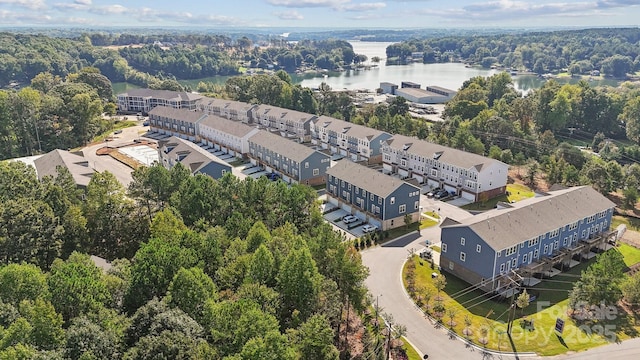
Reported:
(349, 219)
(369, 228)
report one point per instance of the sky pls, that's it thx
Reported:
(360, 14)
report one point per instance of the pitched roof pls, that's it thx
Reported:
(285, 114)
(282, 146)
(196, 158)
(226, 104)
(354, 130)
(463, 159)
(178, 114)
(235, 128)
(78, 166)
(163, 94)
(526, 219)
(366, 178)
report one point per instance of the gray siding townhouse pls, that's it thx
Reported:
(228, 109)
(177, 122)
(144, 100)
(175, 150)
(526, 240)
(471, 176)
(290, 123)
(358, 142)
(372, 196)
(229, 136)
(292, 161)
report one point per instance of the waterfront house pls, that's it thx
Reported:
(232, 137)
(372, 196)
(229, 109)
(144, 100)
(519, 242)
(291, 124)
(177, 122)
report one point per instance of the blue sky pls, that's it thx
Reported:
(321, 13)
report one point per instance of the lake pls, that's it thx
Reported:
(446, 75)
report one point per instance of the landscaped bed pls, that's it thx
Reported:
(484, 321)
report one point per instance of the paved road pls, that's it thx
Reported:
(101, 163)
(385, 284)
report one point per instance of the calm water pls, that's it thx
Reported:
(448, 75)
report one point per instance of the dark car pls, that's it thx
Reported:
(441, 194)
(273, 176)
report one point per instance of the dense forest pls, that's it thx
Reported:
(614, 52)
(201, 269)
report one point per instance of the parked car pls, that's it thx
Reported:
(118, 131)
(349, 219)
(433, 192)
(441, 194)
(146, 123)
(273, 176)
(369, 228)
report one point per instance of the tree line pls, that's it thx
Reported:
(201, 269)
(614, 52)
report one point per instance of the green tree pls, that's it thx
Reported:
(20, 282)
(630, 116)
(271, 345)
(631, 289)
(522, 301)
(600, 282)
(299, 284)
(189, 290)
(77, 286)
(313, 339)
(261, 267)
(86, 338)
(47, 332)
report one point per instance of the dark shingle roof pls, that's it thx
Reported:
(163, 94)
(178, 114)
(196, 158)
(282, 146)
(526, 219)
(231, 127)
(341, 126)
(365, 178)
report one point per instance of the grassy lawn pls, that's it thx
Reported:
(631, 223)
(492, 315)
(433, 214)
(630, 253)
(117, 125)
(426, 222)
(436, 248)
(402, 230)
(412, 354)
(516, 192)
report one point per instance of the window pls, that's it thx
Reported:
(463, 256)
(416, 205)
(306, 165)
(393, 200)
(478, 248)
(450, 265)
(564, 242)
(316, 172)
(514, 262)
(524, 258)
(349, 187)
(499, 253)
(379, 201)
(501, 268)
(402, 208)
(555, 245)
(511, 250)
(546, 248)
(371, 196)
(462, 241)
(444, 248)
(535, 253)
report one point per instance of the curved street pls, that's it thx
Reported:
(385, 284)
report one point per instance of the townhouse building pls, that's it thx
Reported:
(358, 142)
(470, 176)
(526, 240)
(291, 124)
(232, 137)
(177, 122)
(372, 196)
(228, 109)
(175, 150)
(144, 100)
(294, 162)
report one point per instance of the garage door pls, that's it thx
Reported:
(286, 179)
(450, 188)
(387, 168)
(469, 196)
(433, 183)
(403, 173)
(420, 178)
(360, 215)
(346, 207)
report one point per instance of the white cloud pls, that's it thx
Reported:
(109, 10)
(83, 2)
(289, 15)
(309, 3)
(153, 16)
(364, 6)
(29, 4)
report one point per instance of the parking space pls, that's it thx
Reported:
(258, 174)
(226, 157)
(335, 218)
(252, 170)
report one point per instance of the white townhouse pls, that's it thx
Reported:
(228, 109)
(471, 176)
(229, 136)
(144, 100)
(177, 122)
(358, 142)
(291, 124)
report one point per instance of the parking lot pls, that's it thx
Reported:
(335, 218)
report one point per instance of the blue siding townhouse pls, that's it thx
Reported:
(371, 195)
(199, 161)
(532, 238)
(294, 162)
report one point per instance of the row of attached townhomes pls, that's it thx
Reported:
(526, 240)
(175, 150)
(379, 199)
(299, 146)
(144, 100)
(470, 176)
